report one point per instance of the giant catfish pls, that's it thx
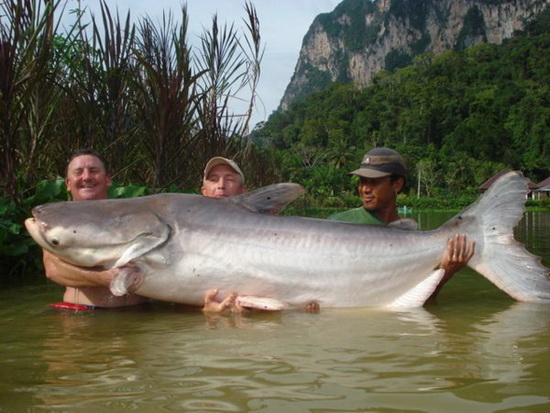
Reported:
(185, 245)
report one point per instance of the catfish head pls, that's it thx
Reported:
(107, 233)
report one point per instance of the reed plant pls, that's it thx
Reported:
(27, 96)
(156, 106)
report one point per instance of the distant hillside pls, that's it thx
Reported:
(361, 37)
(458, 117)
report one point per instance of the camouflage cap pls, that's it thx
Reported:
(380, 162)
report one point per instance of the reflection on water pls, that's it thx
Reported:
(486, 357)
(475, 351)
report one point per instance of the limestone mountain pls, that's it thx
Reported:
(361, 37)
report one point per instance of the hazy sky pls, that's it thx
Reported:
(283, 25)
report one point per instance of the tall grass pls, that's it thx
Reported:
(136, 91)
(27, 97)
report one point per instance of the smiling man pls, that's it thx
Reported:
(382, 177)
(87, 178)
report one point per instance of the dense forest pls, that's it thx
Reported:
(458, 118)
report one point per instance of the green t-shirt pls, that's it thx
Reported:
(357, 216)
(362, 216)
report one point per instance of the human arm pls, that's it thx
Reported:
(63, 273)
(457, 254)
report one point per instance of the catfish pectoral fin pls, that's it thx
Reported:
(127, 278)
(261, 303)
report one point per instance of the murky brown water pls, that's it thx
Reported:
(476, 351)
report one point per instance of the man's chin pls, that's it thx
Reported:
(371, 207)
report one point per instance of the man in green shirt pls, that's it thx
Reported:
(382, 176)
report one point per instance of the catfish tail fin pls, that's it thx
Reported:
(499, 257)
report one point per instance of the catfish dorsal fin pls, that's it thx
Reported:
(270, 199)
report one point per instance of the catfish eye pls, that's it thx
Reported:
(55, 242)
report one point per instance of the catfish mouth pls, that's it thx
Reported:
(33, 227)
(39, 232)
(37, 229)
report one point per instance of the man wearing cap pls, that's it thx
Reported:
(382, 176)
(222, 178)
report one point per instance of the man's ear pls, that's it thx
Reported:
(399, 184)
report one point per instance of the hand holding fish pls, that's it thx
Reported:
(457, 254)
(229, 303)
